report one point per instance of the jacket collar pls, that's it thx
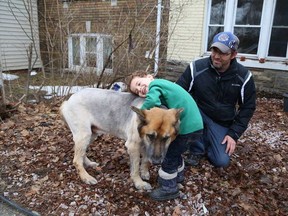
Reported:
(230, 72)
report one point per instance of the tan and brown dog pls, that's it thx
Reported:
(148, 133)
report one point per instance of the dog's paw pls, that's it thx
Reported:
(89, 180)
(143, 186)
(93, 165)
(145, 175)
(89, 163)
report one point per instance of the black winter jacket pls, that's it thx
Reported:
(228, 98)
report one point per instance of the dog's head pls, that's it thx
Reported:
(157, 129)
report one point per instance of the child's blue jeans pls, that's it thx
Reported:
(173, 158)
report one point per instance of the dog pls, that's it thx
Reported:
(148, 133)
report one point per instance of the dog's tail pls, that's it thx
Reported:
(62, 112)
(67, 114)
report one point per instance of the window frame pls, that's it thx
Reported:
(264, 37)
(99, 53)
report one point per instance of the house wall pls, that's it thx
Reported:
(16, 36)
(131, 23)
(185, 29)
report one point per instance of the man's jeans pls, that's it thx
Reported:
(173, 159)
(210, 143)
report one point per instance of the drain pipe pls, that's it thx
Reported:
(2, 89)
(15, 207)
(156, 65)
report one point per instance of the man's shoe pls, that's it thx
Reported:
(193, 160)
(161, 194)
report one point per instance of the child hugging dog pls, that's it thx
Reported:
(160, 92)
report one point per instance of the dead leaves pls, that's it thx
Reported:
(36, 187)
(7, 125)
(36, 151)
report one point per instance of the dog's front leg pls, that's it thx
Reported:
(144, 168)
(133, 149)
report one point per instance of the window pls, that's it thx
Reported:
(279, 31)
(261, 25)
(113, 2)
(90, 52)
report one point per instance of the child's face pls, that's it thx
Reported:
(139, 85)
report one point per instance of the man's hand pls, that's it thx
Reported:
(231, 144)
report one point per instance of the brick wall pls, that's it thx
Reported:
(273, 81)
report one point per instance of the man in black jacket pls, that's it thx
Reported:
(225, 92)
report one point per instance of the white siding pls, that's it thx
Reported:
(15, 34)
(186, 24)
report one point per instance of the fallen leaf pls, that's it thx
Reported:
(25, 133)
(177, 211)
(277, 157)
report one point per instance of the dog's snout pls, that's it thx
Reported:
(155, 163)
(157, 160)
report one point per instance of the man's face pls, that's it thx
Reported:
(221, 61)
(140, 85)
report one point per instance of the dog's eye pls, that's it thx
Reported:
(151, 136)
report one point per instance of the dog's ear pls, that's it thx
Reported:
(178, 112)
(177, 123)
(139, 112)
(141, 115)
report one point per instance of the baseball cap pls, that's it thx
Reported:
(225, 42)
